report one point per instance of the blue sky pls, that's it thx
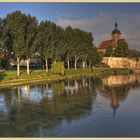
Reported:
(97, 18)
(53, 11)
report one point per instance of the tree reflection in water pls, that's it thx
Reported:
(36, 110)
(39, 110)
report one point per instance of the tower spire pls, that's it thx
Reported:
(116, 25)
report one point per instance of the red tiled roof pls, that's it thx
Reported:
(133, 51)
(105, 44)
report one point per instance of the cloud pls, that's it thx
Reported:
(102, 25)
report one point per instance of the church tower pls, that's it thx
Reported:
(116, 34)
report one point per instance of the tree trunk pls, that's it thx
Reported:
(19, 93)
(18, 66)
(46, 88)
(83, 82)
(71, 66)
(76, 86)
(75, 64)
(28, 66)
(68, 88)
(28, 93)
(19, 97)
(84, 62)
(46, 65)
(54, 61)
(68, 63)
(89, 65)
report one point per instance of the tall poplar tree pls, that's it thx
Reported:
(15, 25)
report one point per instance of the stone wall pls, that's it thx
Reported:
(121, 62)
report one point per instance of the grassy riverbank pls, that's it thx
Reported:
(9, 78)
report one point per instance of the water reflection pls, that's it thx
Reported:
(41, 110)
(35, 109)
(116, 88)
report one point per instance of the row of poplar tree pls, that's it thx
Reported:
(22, 37)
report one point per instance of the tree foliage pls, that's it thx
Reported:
(22, 38)
(122, 49)
(58, 68)
(109, 52)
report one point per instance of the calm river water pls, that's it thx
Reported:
(86, 107)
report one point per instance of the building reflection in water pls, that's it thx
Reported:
(116, 88)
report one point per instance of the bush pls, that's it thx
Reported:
(1, 64)
(4, 63)
(58, 68)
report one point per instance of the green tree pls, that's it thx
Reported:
(15, 27)
(122, 49)
(31, 30)
(109, 52)
(6, 46)
(58, 44)
(1, 31)
(22, 37)
(77, 43)
(93, 56)
(68, 45)
(86, 47)
(17, 36)
(48, 41)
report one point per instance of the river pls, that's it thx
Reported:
(85, 107)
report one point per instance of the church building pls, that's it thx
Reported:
(115, 36)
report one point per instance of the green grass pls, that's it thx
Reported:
(9, 78)
(97, 71)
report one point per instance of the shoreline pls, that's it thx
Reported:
(41, 76)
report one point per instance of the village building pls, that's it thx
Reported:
(118, 62)
(115, 36)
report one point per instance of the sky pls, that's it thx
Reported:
(98, 18)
